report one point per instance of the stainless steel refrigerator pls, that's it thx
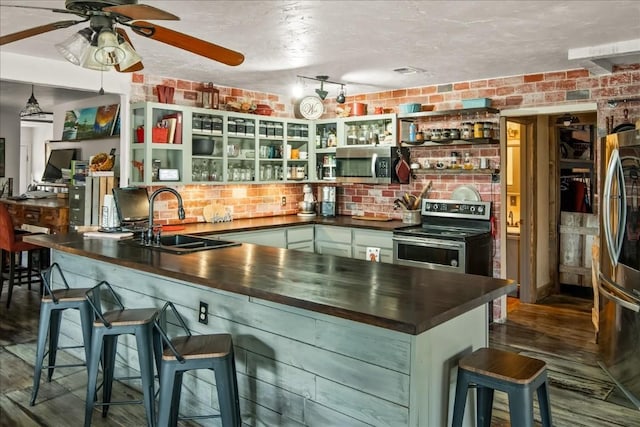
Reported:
(619, 284)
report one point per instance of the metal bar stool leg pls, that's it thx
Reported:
(166, 404)
(54, 333)
(92, 378)
(110, 346)
(521, 407)
(462, 386)
(227, 385)
(144, 340)
(43, 328)
(484, 406)
(545, 407)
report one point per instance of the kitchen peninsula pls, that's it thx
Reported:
(320, 340)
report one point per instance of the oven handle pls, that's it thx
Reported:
(374, 158)
(429, 242)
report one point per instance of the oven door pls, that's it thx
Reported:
(437, 254)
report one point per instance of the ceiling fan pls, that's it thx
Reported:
(102, 44)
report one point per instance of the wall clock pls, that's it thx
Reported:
(311, 107)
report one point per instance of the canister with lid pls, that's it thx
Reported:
(454, 133)
(486, 129)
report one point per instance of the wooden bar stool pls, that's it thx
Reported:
(186, 352)
(11, 244)
(107, 327)
(519, 376)
(54, 302)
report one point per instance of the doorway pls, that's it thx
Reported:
(531, 218)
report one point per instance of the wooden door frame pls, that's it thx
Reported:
(528, 205)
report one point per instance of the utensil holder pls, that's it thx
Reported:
(411, 217)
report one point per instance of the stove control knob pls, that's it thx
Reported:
(435, 206)
(473, 209)
(454, 263)
(480, 209)
(427, 206)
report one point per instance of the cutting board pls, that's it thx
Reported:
(213, 210)
(102, 235)
(371, 218)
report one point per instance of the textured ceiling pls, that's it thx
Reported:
(360, 42)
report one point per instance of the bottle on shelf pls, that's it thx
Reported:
(412, 132)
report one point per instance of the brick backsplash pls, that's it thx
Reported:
(530, 90)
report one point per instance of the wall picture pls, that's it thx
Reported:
(91, 122)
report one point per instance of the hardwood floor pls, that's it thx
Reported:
(558, 331)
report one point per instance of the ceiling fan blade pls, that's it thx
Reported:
(52, 9)
(135, 67)
(9, 38)
(141, 11)
(188, 43)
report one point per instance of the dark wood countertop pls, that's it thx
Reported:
(49, 202)
(400, 298)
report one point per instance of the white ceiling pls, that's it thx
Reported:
(356, 42)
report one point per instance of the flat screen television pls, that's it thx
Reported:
(132, 204)
(58, 160)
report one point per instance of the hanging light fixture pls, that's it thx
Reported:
(108, 51)
(74, 47)
(32, 108)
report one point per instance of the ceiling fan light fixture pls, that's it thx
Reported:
(32, 108)
(131, 57)
(89, 60)
(108, 50)
(74, 47)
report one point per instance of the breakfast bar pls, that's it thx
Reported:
(320, 340)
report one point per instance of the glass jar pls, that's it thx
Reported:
(436, 135)
(467, 164)
(467, 130)
(454, 134)
(446, 134)
(486, 129)
(478, 129)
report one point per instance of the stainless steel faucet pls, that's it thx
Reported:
(149, 233)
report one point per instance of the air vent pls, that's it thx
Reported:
(409, 70)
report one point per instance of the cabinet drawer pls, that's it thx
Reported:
(379, 239)
(333, 234)
(302, 246)
(300, 234)
(330, 248)
(31, 215)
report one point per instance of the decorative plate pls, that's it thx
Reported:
(311, 107)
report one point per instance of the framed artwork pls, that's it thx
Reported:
(2, 151)
(91, 122)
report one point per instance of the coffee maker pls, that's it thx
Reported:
(328, 205)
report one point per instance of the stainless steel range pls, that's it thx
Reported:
(454, 236)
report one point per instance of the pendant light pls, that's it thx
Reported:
(32, 108)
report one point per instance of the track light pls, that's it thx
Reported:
(341, 98)
(321, 92)
(297, 90)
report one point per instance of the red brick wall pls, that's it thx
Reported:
(530, 90)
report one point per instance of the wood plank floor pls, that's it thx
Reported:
(558, 331)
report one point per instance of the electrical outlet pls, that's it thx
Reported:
(283, 202)
(203, 313)
(512, 201)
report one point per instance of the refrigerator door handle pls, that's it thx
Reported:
(604, 287)
(614, 176)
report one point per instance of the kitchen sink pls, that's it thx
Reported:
(183, 244)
